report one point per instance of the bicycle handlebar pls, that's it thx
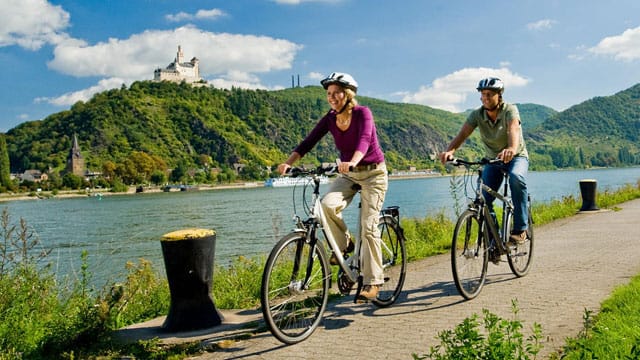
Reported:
(330, 169)
(483, 161)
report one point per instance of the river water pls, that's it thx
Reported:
(117, 229)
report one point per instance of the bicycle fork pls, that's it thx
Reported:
(302, 261)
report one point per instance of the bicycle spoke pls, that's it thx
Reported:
(469, 256)
(394, 261)
(521, 256)
(295, 289)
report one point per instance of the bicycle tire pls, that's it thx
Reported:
(394, 261)
(469, 255)
(291, 310)
(520, 257)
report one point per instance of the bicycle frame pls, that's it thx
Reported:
(477, 237)
(485, 214)
(317, 219)
(297, 276)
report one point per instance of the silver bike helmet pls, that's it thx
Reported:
(491, 83)
(342, 79)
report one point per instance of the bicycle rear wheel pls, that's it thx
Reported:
(295, 288)
(469, 256)
(394, 261)
(521, 256)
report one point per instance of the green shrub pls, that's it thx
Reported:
(501, 340)
(144, 295)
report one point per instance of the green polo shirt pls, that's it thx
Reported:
(494, 135)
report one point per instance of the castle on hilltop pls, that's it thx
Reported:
(179, 70)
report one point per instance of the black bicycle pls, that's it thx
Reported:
(297, 277)
(479, 236)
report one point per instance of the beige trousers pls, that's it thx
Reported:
(374, 185)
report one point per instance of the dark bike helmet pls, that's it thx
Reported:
(491, 83)
(343, 79)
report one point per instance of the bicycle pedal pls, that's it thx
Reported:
(344, 284)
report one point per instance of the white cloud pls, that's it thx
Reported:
(625, 47)
(137, 56)
(230, 59)
(32, 23)
(83, 95)
(199, 15)
(450, 91)
(316, 76)
(539, 25)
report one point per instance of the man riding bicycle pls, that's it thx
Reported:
(501, 133)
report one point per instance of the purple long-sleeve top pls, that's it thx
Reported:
(361, 135)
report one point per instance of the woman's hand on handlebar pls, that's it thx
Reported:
(283, 168)
(345, 166)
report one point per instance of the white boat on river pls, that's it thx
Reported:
(292, 181)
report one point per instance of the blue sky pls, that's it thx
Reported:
(556, 53)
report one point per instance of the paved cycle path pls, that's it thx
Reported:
(578, 261)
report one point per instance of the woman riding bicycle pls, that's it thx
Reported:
(501, 133)
(361, 163)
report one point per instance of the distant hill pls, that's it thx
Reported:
(176, 125)
(603, 131)
(533, 115)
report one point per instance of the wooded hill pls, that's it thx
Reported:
(180, 125)
(603, 131)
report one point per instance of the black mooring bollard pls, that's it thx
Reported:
(588, 191)
(188, 258)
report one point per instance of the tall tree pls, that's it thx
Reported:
(5, 170)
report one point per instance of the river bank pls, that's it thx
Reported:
(133, 190)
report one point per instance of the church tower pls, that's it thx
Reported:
(75, 161)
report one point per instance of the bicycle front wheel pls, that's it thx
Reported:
(469, 256)
(394, 261)
(295, 288)
(521, 256)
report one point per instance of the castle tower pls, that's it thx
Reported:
(75, 161)
(179, 56)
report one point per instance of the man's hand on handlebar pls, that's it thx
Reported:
(446, 156)
(506, 155)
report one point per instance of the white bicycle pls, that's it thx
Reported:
(297, 276)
